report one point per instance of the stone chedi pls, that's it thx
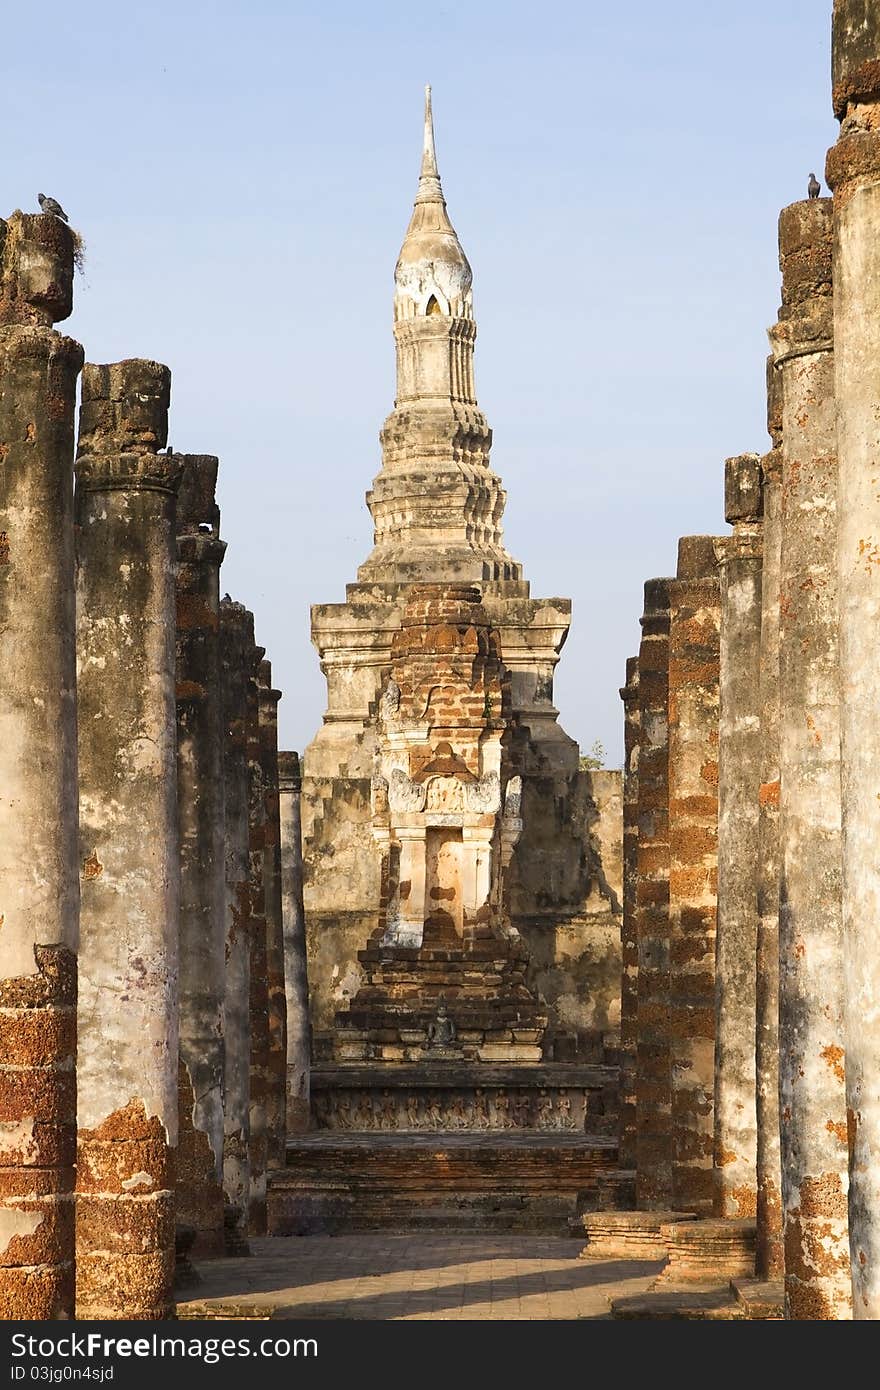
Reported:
(443, 807)
(446, 815)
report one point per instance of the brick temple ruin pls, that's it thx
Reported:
(437, 973)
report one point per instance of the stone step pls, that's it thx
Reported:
(763, 1300)
(629, 1235)
(705, 1304)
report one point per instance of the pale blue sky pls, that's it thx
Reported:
(243, 175)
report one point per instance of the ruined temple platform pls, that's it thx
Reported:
(477, 1181)
(417, 1276)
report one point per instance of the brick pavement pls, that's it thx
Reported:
(415, 1276)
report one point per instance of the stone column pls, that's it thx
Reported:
(653, 1064)
(39, 891)
(276, 1105)
(768, 1240)
(202, 868)
(129, 854)
(811, 986)
(236, 662)
(296, 979)
(694, 623)
(259, 983)
(629, 946)
(739, 774)
(853, 171)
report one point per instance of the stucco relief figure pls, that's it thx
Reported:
(364, 1111)
(403, 793)
(481, 1109)
(502, 1111)
(388, 1111)
(435, 1112)
(456, 1118)
(342, 1111)
(441, 1030)
(523, 1110)
(513, 798)
(546, 1115)
(565, 1119)
(389, 705)
(445, 794)
(484, 795)
(413, 1120)
(379, 795)
(321, 1109)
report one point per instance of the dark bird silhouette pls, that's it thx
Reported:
(49, 205)
(814, 187)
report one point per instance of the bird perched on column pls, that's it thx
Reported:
(52, 207)
(814, 187)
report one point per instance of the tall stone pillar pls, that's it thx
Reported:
(236, 664)
(694, 623)
(853, 171)
(259, 982)
(811, 986)
(202, 868)
(739, 772)
(768, 1237)
(296, 979)
(39, 892)
(276, 1104)
(653, 1063)
(629, 946)
(130, 862)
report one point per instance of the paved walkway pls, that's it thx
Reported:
(419, 1276)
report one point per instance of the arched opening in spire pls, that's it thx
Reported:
(432, 306)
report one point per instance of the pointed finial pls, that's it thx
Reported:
(429, 154)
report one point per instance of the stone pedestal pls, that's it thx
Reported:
(694, 622)
(39, 896)
(853, 171)
(130, 861)
(811, 983)
(296, 980)
(202, 868)
(739, 771)
(707, 1252)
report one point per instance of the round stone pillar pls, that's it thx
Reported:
(694, 623)
(129, 853)
(259, 982)
(739, 753)
(811, 988)
(39, 892)
(853, 171)
(296, 980)
(236, 656)
(276, 1106)
(202, 870)
(629, 947)
(653, 1063)
(768, 1239)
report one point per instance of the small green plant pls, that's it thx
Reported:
(594, 759)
